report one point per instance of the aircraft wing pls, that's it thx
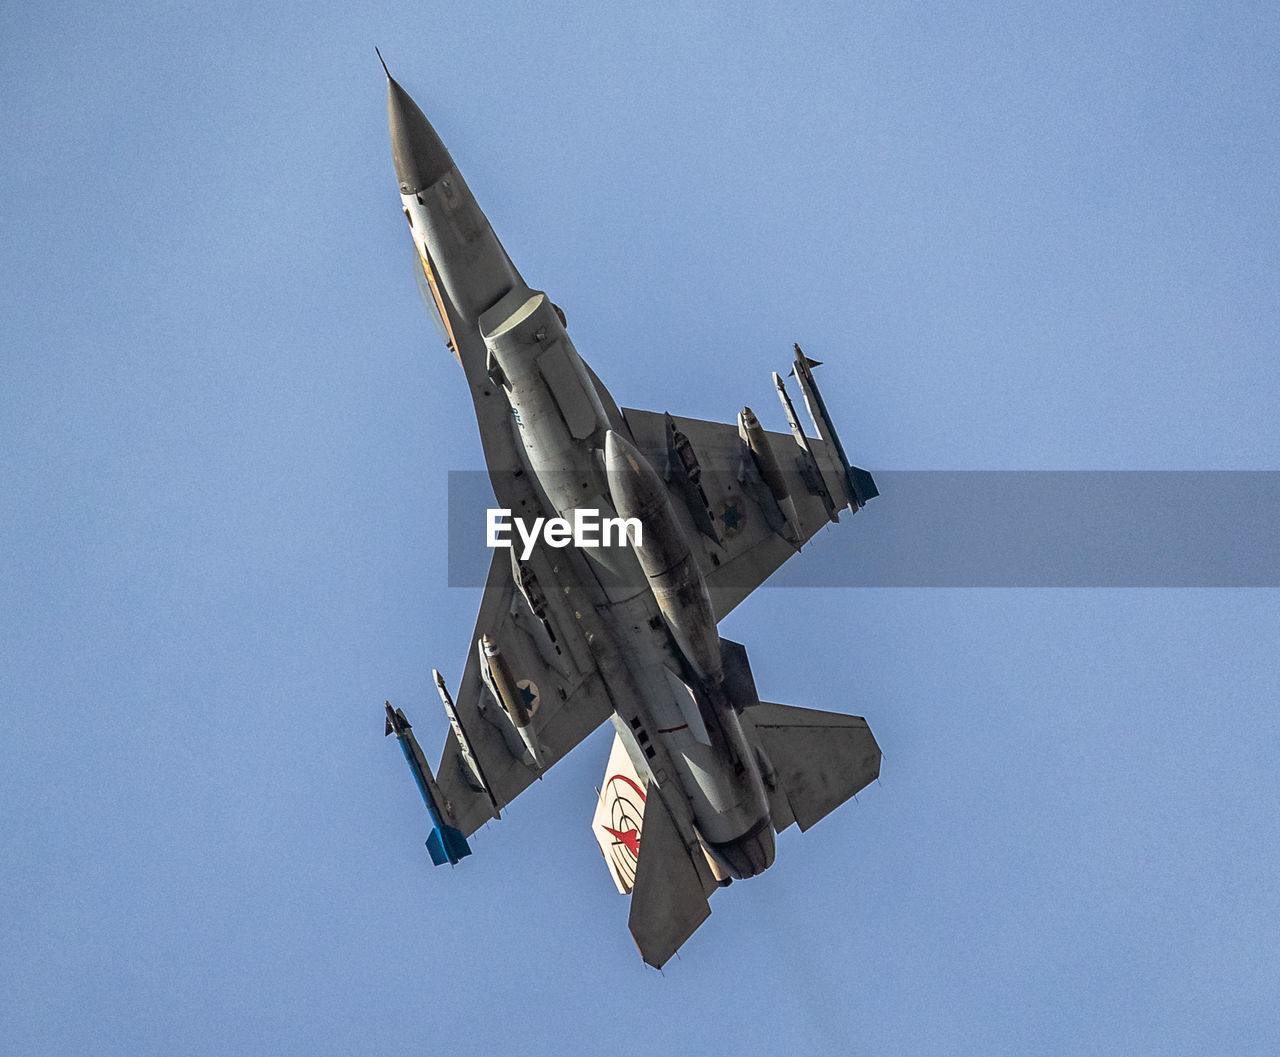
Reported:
(750, 498)
(486, 763)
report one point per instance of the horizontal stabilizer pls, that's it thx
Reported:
(816, 760)
(668, 898)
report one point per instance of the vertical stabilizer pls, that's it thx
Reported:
(619, 817)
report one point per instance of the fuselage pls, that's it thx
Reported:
(554, 443)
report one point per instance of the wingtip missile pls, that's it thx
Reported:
(446, 842)
(857, 485)
(801, 356)
(396, 723)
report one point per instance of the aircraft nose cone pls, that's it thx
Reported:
(420, 157)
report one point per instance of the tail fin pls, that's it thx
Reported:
(447, 845)
(619, 817)
(812, 761)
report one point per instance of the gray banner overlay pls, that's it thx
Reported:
(1002, 528)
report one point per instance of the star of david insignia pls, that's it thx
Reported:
(528, 694)
(732, 517)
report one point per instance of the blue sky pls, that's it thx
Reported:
(1020, 236)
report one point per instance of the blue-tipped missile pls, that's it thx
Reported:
(446, 843)
(858, 484)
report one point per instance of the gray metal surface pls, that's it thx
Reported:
(568, 637)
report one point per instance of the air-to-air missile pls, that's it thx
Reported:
(445, 844)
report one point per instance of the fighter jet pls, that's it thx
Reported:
(574, 632)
